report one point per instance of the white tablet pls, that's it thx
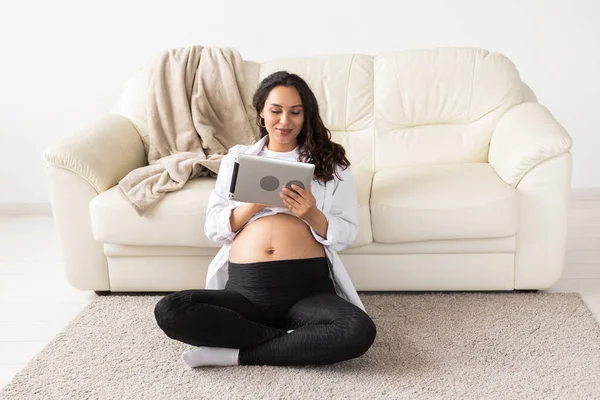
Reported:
(257, 179)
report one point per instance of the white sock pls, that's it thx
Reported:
(215, 356)
(290, 331)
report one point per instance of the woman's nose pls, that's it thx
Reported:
(284, 118)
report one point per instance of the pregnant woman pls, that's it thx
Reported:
(277, 292)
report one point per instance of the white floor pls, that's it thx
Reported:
(36, 302)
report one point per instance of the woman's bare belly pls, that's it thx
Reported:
(276, 237)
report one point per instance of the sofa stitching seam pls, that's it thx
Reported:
(401, 90)
(347, 86)
(471, 91)
(77, 173)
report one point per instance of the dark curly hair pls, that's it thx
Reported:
(314, 140)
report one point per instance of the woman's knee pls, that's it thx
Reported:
(168, 310)
(360, 332)
(162, 310)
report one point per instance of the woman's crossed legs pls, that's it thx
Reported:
(327, 328)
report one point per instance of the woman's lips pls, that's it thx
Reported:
(284, 131)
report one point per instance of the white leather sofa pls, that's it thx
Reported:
(462, 179)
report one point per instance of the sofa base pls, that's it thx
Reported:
(431, 272)
(108, 292)
(369, 272)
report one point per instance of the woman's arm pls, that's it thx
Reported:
(223, 220)
(241, 215)
(340, 224)
(319, 224)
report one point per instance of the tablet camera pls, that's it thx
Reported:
(269, 183)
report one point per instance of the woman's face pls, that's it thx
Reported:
(284, 118)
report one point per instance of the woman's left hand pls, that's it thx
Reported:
(302, 203)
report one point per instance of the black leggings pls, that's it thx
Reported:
(260, 303)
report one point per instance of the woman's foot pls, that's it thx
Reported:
(210, 356)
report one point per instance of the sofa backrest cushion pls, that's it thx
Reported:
(343, 86)
(440, 105)
(403, 108)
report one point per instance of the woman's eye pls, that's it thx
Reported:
(279, 112)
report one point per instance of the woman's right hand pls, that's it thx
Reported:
(258, 207)
(242, 214)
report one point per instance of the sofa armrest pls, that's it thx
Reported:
(524, 137)
(78, 169)
(103, 154)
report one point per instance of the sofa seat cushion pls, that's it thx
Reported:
(440, 202)
(176, 220)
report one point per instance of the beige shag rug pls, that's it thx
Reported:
(428, 346)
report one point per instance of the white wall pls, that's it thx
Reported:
(63, 62)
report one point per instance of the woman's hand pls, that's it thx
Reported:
(242, 214)
(257, 207)
(304, 205)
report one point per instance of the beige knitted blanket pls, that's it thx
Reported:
(195, 114)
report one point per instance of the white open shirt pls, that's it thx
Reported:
(336, 199)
